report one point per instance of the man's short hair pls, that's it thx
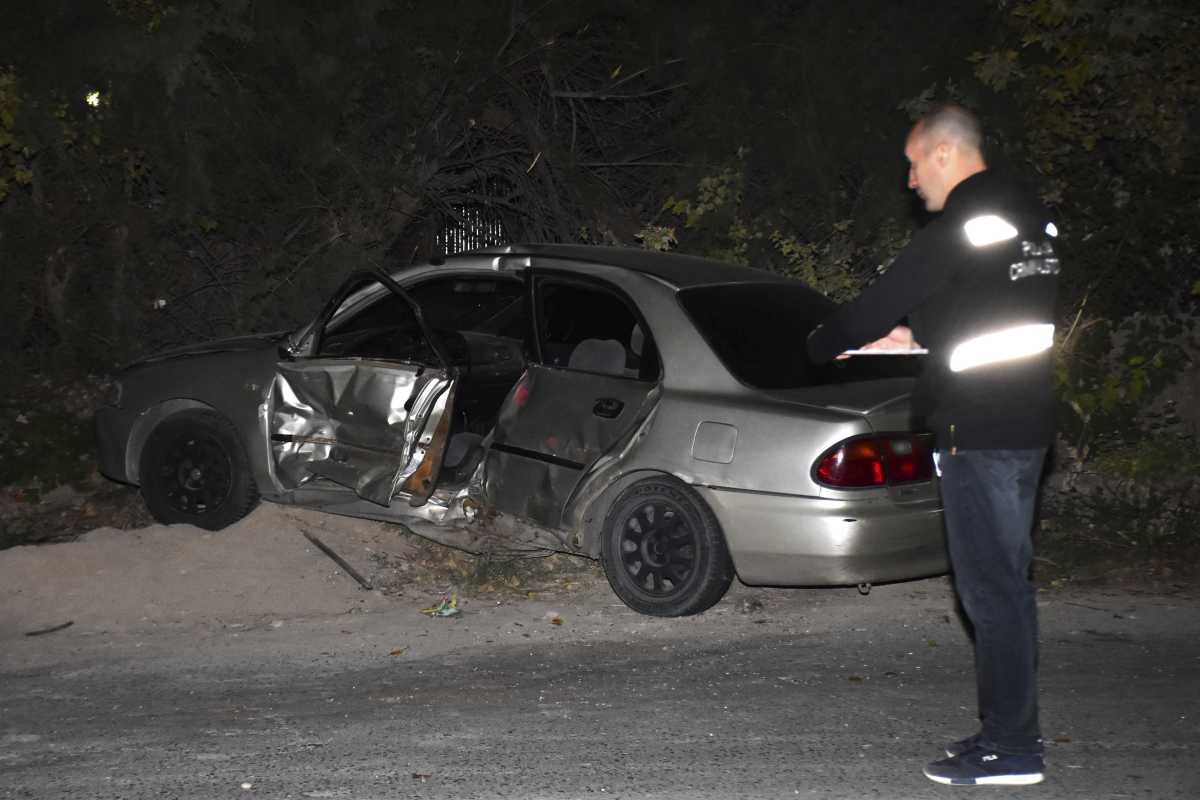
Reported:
(953, 123)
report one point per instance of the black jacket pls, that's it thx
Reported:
(952, 291)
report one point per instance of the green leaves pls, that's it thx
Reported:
(14, 163)
(1112, 377)
(827, 265)
(996, 68)
(715, 192)
(657, 237)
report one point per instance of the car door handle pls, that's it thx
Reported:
(608, 407)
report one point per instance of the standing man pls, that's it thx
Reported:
(977, 285)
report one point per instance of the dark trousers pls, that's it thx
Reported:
(989, 497)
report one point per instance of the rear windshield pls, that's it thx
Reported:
(758, 330)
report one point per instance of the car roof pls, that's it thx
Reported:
(680, 271)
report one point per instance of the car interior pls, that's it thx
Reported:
(482, 324)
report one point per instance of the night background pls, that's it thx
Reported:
(174, 171)
(177, 171)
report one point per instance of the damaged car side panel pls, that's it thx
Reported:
(555, 424)
(357, 423)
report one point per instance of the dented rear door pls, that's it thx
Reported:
(593, 381)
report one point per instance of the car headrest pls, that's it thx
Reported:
(598, 355)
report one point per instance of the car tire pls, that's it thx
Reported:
(194, 470)
(663, 551)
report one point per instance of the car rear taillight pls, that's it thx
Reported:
(886, 459)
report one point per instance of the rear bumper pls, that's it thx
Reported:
(787, 540)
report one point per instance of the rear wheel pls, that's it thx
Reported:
(663, 551)
(194, 470)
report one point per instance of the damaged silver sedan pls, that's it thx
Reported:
(654, 411)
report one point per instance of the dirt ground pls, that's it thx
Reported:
(262, 570)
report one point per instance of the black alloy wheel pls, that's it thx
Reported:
(194, 470)
(663, 551)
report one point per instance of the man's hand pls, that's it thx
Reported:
(900, 338)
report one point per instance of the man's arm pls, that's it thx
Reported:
(919, 270)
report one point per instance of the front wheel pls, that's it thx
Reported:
(194, 470)
(663, 551)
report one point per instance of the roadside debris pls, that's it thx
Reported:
(750, 605)
(341, 562)
(554, 618)
(52, 629)
(445, 607)
(64, 496)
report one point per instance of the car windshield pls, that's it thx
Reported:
(758, 330)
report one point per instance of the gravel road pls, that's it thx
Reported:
(773, 693)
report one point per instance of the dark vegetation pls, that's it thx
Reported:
(177, 170)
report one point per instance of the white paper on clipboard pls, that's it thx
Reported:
(887, 351)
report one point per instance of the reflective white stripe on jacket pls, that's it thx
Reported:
(1006, 344)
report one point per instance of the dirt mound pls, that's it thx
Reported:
(260, 568)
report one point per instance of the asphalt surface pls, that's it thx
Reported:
(774, 693)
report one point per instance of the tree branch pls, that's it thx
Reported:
(608, 96)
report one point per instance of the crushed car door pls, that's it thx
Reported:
(593, 380)
(368, 403)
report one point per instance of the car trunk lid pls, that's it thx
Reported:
(885, 403)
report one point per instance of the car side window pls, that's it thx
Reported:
(478, 321)
(385, 328)
(473, 320)
(485, 305)
(587, 327)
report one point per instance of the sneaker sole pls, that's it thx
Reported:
(991, 780)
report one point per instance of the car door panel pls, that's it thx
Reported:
(367, 425)
(580, 400)
(554, 425)
(361, 403)
(566, 416)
